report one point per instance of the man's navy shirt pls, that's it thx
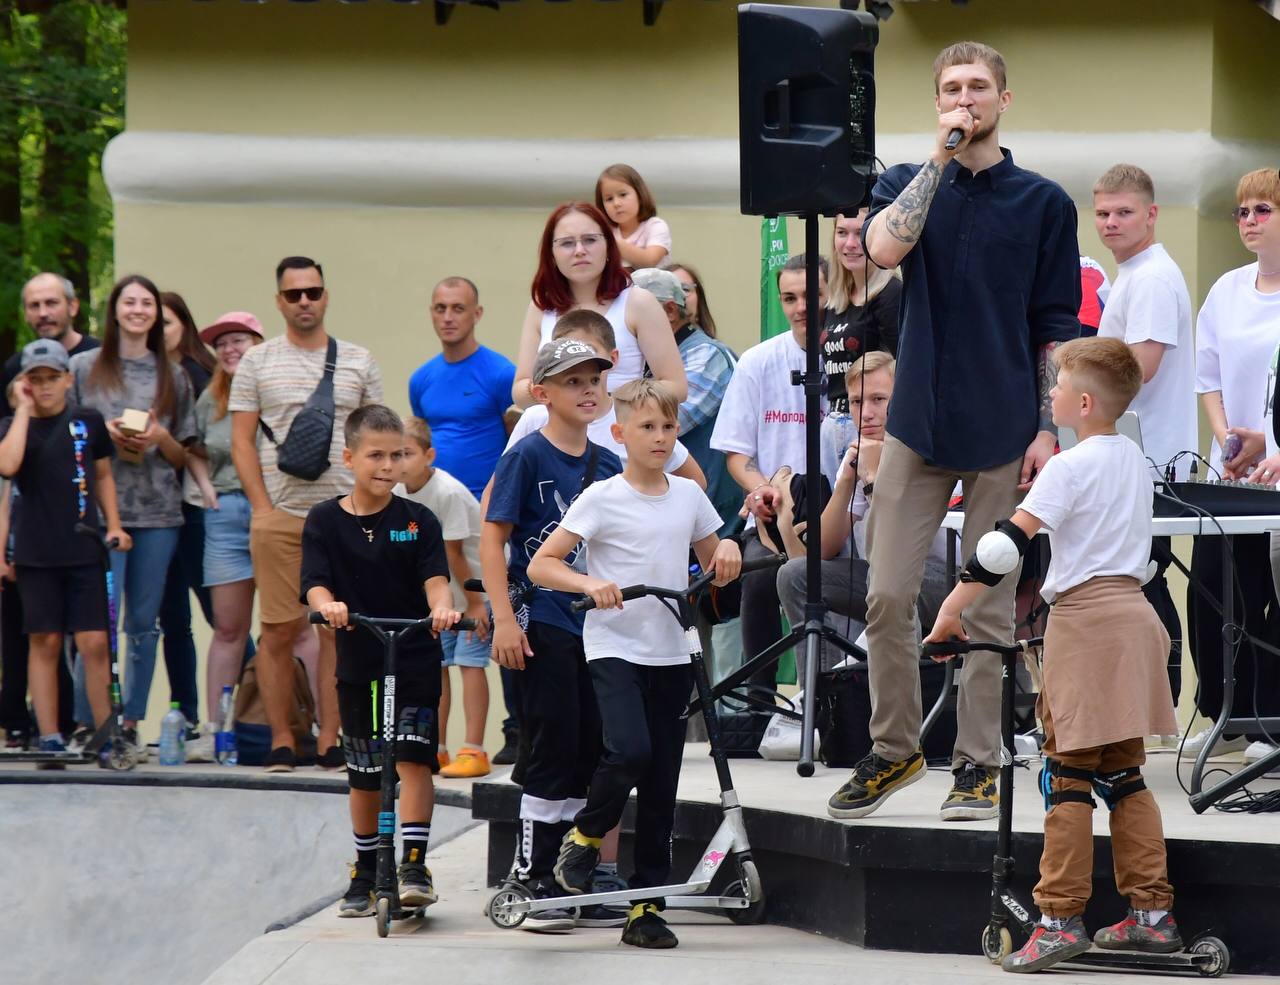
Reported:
(995, 276)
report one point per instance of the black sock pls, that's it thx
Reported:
(415, 835)
(366, 850)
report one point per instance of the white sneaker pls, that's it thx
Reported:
(1260, 750)
(200, 749)
(1195, 743)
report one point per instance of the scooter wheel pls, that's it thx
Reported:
(1216, 957)
(997, 943)
(382, 916)
(749, 915)
(120, 756)
(496, 909)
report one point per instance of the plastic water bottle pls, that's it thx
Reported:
(224, 742)
(173, 737)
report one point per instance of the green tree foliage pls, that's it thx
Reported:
(62, 82)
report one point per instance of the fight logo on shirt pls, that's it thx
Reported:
(409, 533)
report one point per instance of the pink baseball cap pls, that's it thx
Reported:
(232, 321)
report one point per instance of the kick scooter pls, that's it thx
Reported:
(107, 746)
(390, 632)
(1208, 956)
(742, 900)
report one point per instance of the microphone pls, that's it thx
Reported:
(954, 138)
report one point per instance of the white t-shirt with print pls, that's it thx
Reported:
(1149, 303)
(763, 413)
(1095, 501)
(459, 514)
(634, 539)
(1236, 334)
(599, 431)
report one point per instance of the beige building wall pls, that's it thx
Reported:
(398, 152)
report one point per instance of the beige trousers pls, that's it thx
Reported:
(908, 504)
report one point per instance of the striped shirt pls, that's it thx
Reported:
(274, 380)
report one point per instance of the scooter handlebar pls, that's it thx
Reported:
(955, 648)
(697, 585)
(356, 619)
(629, 593)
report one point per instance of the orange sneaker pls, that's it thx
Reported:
(469, 763)
(442, 758)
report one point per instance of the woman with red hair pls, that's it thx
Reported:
(579, 266)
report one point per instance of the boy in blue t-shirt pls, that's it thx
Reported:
(533, 486)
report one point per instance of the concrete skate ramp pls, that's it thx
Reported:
(111, 885)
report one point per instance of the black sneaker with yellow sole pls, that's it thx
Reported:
(358, 899)
(646, 929)
(974, 795)
(873, 780)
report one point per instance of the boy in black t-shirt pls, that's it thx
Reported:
(379, 555)
(532, 487)
(60, 457)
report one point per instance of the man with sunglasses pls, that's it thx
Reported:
(270, 386)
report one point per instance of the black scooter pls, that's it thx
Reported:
(386, 886)
(1207, 956)
(107, 746)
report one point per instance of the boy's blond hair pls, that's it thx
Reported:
(419, 431)
(633, 395)
(1103, 368)
(970, 53)
(869, 363)
(1126, 178)
(585, 322)
(1263, 183)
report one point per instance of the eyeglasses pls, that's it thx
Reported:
(1262, 212)
(567, 244)
(295, 294)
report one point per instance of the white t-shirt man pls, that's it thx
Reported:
(762, 414)
(1236, 334)
(635, 539)
(1095, 501)
(599, 432)
(1149, 303)
(459, 514)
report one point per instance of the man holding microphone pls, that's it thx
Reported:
(991, 283)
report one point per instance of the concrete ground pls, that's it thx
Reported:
(457, 944)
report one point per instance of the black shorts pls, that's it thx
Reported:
(70, 599)
(360, 710)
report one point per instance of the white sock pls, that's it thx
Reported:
(1149, 918)
(1053, 923)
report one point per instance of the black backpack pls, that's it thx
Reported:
(305, 450)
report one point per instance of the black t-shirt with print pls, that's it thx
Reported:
(60, 453)
(379, 577)
(850, 334)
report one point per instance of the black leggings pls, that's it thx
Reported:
(1257, 672)
(560, 717)
(15, 715)
(640, 708)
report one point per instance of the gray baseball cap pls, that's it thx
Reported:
(556, 357)
(662, 284)
(44, 352)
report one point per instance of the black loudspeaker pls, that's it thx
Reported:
(806, 108)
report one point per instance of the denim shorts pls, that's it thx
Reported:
(459, 651)
(226, 541)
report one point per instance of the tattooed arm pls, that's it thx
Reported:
(1041, 448)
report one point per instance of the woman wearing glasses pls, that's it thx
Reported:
(579, 266)
(132, 371)
(1237, 333)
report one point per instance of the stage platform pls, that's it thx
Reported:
(905, 880)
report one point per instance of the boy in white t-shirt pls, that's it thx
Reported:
(637, 528)
(459, 515)
(1104, 652)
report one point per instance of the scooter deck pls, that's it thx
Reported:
(1140, 960)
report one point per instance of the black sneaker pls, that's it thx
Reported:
(974, 795)
(874, 780)
(331, 759)
(558, 920)
(416, 886)
(576, 864)
(281, 759)
(646, 929)
(605, 914)
(80, 738)
(507, 754)
(16, 740)
(1047, 947)
(358, 901)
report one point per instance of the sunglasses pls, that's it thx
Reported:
(1241, 214)
(295, 294)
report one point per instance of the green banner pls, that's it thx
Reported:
(773, 255)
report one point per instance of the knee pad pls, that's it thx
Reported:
(1114, 787)
(1053, 797)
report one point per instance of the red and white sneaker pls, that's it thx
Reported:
(1134, 933)
(1047, 947)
